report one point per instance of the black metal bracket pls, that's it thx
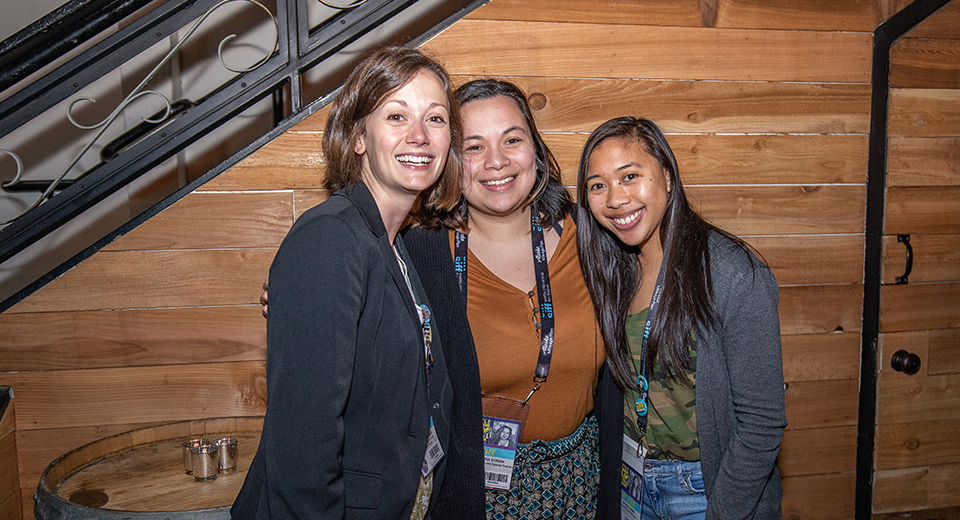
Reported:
(905, 240)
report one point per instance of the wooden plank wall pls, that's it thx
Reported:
(918, 453)
(766, 103)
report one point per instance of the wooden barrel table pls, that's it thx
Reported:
(139, 475)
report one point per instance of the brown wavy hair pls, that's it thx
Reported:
(377, 76)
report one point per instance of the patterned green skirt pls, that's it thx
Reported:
(557, 479)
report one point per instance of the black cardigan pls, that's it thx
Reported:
(463, 495)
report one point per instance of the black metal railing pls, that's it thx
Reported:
(302, 48)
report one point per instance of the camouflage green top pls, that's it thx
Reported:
(672, 418)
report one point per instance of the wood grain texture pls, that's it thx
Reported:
(918, 112)
(819, 497)
(936, 258)
(147, 279)
(306, 199)
(926, 209)
(944, 351)
(902, 398)
(781, 210)
(745, 159)
(925, 63)
(920, 443)
(926, 514)
(847, 15)
(293, 160)
(821, 404)
(923, 161)
(821, 357)
(941, 24)
(581, 105)
(912, 489)
(815, 309)
(8, 420)
(9, 472)
(103, 396)
(818, 451)
(26, 496)
(508, 48)
(812, 259)
(228, 220)
(917, 307)
(99, 339)
(38, 448)
(11, 507)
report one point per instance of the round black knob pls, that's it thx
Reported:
(903, 361)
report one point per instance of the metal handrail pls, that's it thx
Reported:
(299, 49)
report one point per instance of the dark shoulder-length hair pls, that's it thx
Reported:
(612, 271)
(548, 198)
(377, 76)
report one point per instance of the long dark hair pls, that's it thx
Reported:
(549, 198)
(612, 271)
(382, 72)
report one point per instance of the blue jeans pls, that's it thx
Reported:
(673, 490)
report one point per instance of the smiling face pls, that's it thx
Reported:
(627, 192)
(499, 160)
(405, 140)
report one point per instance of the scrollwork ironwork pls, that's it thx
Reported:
(138, 93)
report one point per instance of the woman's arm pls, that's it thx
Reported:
(749, 332)
(317, 284)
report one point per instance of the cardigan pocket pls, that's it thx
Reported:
(361, 490)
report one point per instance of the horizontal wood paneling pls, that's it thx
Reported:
(752, 14)
(38, 448)
(9, 473)
(923, 161)
(925, 63)
(294, 160)
(936, 258)
(918, 443)
(228, 220)
(103, 396)
(306, 199)
(924, 113)
(819, 497)
(927, 209)
(619, 51)
(916, 341)
(818, 451)
(914, 398)
(581, 105)
(941, 24)
(745, 159)
(912, 489)
(821, 357)
(72, 340)
(781, 210)
(817, 309)
(812, 259)
(919, 306)
(821, 404)
(146, 279)
(944, 351)
(11, 507)
(926, 514)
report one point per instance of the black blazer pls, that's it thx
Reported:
(349, 402)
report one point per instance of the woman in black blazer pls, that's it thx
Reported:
(358, 417)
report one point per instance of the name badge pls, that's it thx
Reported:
(500, 437)
(434, 451)
(631, 479)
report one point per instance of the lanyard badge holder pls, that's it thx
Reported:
(504, 417)
(631, 472)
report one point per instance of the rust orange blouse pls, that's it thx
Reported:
(504, 331)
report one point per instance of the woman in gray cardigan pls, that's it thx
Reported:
(689, 318)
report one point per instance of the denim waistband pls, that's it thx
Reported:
(669, 466)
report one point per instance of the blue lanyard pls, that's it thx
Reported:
(643, 386)
(546, 327)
